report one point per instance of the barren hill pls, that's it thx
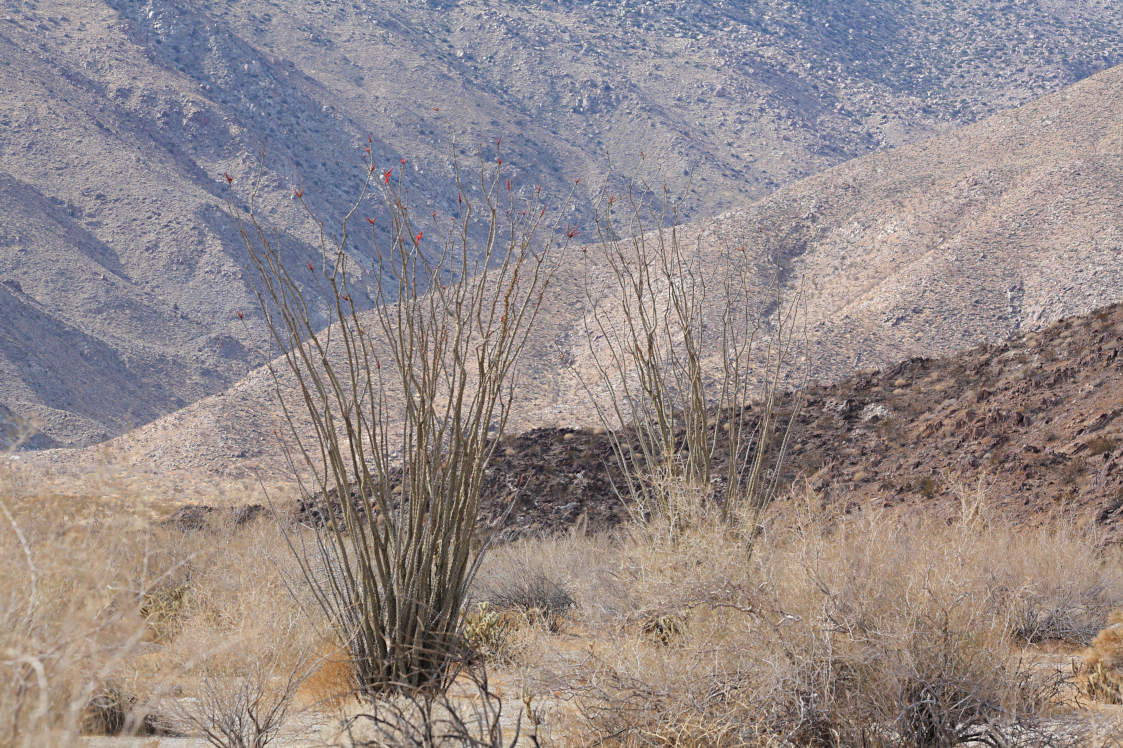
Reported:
(1032, 426)
(123, 274)
(1035, 424)
(996, 229)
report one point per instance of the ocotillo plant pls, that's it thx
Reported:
(681, 349)
(404, 403)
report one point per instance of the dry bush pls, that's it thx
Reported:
(864, 629)
(242, 639)
(73, 582)
(1100, 672)
(469, 714)
(245, 709)
(514, 579)
(106, 617)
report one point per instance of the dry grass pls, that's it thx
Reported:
(870, 629)
(69, 613)
(1100, 672)
(106, 617)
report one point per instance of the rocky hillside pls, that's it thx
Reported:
(1029, 427)
(122, 274)
(977, 235)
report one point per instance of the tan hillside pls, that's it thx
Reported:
(998, 228)
(120, 117)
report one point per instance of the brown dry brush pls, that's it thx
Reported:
(246, 711)
(414, 392)
(469, 714)
(656, 362)
(70, 602)
(864, 630)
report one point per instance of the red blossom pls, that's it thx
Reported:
(571, 232)
(508, 185)
(229, 178)
(310, 268)
(403, 162)
(499, 161)
(577, 181)
(417, 238)
(298, 193)
(240, 315)
(386, 175)
(370, 220)
(346, 297)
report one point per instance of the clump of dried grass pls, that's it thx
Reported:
(1100, 672)
(524, 583)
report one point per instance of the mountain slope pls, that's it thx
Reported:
(998, 228)
(120, 117)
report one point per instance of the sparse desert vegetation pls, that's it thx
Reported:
(814, 627)
(682, 457)
(370, 607)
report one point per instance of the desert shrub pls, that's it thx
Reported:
(162, 606)
(112, 710)
(866, 629)
(1100, 672)
(521, 579)
(469, 715)
(70, 595)
(246, 709)
(538, 596)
